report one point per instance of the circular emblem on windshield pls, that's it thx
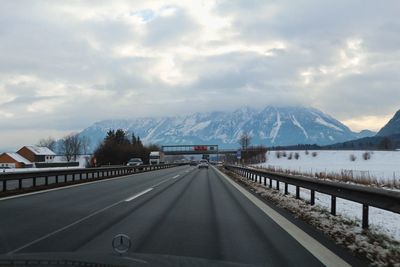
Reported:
(121, 243)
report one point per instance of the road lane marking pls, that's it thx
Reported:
(63, 228)
(71, 186)
(166, 180)
(322, 253)
(139, 194)
(84, 218)
(176, 176)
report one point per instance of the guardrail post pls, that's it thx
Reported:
(365, 216)
(46, 180)
(56, 179)
(277, 185)
(260, 181)
(312, 198)
(265, 180)
(270, 182)
(297, 192)
(80, 176)
(34, 182)
(333, 205)
(19, 184)
(286, 189)
(73, 177)
(4, 185)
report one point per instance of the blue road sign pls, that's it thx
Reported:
(239, 154)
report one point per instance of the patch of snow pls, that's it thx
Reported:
(17, 157)
(323, 122)
(277, 125)
(296, 123)
(200, 126)
(41, 151)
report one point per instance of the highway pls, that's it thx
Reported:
(182, 211)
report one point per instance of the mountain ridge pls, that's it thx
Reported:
(392, 127)
(270, 126)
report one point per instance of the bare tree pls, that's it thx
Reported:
(48, 142)
(245, 140)
(85, 144)
(71, 146)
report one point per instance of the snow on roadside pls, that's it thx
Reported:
(373, 245)
(382, 165)
(382, 220)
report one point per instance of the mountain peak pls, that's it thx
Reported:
(392, 127)
(270, 126)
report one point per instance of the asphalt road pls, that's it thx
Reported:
(182, 211)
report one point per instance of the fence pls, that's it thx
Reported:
(23, 181)
(367, 196)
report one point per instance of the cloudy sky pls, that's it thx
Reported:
(67, 64)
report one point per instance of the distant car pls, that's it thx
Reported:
(193, 163)
(135, 162)
(203, 164)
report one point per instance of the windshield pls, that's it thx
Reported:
(212, 132)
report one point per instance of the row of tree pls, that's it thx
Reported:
(118, 147)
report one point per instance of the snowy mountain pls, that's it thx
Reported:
(271, 126)
(392, 127)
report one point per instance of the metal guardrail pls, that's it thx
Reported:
(367, 196)
(19, 181)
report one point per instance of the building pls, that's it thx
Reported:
(14, 160)
(37, 154)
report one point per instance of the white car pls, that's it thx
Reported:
(135, 162)
(203, 164)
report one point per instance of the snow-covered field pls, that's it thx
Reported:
(382, 165)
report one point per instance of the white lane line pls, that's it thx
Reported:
(322, 253)
(85, 218)
(63, 228)
(176, 176)
(71, 186)
(166, 180)
(139, 194)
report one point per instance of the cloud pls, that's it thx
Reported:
(67, 64)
